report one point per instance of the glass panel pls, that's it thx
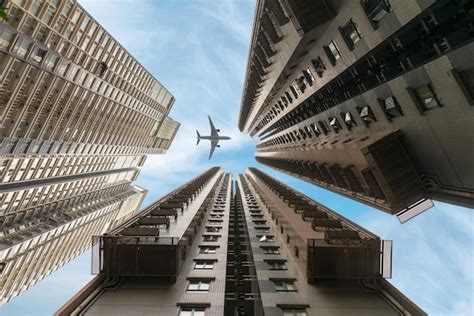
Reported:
(334, 50)
(204, 286)
(6, 38)
(22, 47)
(426, 97)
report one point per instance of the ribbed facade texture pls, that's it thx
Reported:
(78, 115)
(252, 246)
(370, 99)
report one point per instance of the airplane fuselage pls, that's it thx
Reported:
(211, 138)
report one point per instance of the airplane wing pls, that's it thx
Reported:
(213, 129)
(213, 147)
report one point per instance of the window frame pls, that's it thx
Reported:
(333, 58)
(203, 285)
(418, 100)
(192, 309)
(284, 286)
(349, 28)
(204, 264)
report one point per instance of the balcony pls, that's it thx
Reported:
(343, 255)
(144, 255)
(395, 175)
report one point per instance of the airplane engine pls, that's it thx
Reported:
(219, 146)
(218, 130)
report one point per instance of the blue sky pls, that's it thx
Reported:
(198, 50)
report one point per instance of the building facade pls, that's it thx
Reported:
(369, 99)
(247, 247)
(78, 115)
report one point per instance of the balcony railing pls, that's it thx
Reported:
(137, 255)
(348, 258)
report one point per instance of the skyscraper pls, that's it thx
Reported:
(247, 247)
(78, 115)
(369, 99)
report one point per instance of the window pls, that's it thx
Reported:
(348, 120)
(271, 250)
(21, 47)
(262, 229)
(277, 265)
(293, 89)
(318, 66)
(6, 38)
(391, 107)
(324, 127)
(350, 34)
(366, 114)
(376, 10)
(198, 285)
(215, 221)
(51, 61)
(425, 98)
(203, 264)
(308, 76)
(299, 311)
(39, 55)
(207, 249)
(288, 96)
(192, 311)
(213, 229)
(211, 237)
(284, 286)
(334, 124)
(266, 238)
(333, 52)
(465, 79)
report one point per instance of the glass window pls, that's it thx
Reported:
(6, 38)
(266, 238)
(39, 55)
(391, 107)
(213, 229)
(211, 238)
(318, 66)
(277, 265)
(207, 249)
(426, 98)
(271, 250)
(284, 286)
(351, 34)
(48, 15)
(192, 311)
(376, 10)
(35, 7)
(333, 52)
(51, 61)
(203, 265)
(308, 76)
(199, 285)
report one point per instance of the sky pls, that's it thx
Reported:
(198, 49)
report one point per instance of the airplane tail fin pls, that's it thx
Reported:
(198, 138)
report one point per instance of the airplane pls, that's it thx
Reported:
(214, 137)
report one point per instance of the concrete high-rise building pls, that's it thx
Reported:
(370, 99)
(78, 115)
(248, 247)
